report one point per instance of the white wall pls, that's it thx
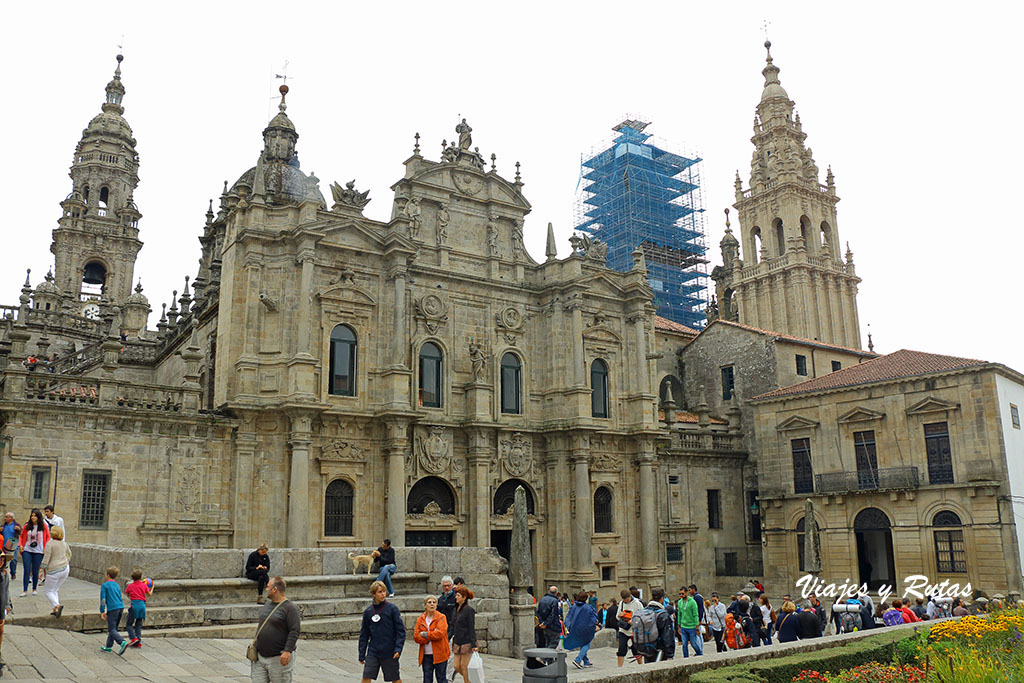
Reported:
(1009, 391)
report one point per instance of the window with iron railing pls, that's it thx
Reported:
(940, 457)
(803, 473)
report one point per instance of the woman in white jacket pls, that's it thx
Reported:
(56, 566)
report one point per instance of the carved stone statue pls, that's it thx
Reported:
(412, 212)
(465, 139)
(349, 196)
(598, 250)
(517, 239)
(492, 235)
(443, 218)
(479, 360)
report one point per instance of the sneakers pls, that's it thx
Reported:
(587, 665)
(60, 610)
(577, 663)
(391, 595)
(106, 649)
(135, 642)
(124, 646)
(23, 594)
(35, 592)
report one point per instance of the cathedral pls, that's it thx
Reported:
(328, 380)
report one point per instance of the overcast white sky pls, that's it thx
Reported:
(914, 106)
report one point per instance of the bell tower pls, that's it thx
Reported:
(97, 238)
(791, 277)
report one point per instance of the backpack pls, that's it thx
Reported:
(625, 619)
(645, 627)
(892, 617)
(735, 635)
(851, 621)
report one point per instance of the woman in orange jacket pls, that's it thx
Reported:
(431, 633)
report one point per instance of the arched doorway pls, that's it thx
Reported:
(875, 559)
(504, 497)
(430, 496)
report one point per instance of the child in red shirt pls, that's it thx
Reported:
(137, 591)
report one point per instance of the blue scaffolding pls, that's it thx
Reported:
(636, 194)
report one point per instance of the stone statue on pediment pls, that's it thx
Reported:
(465, 137)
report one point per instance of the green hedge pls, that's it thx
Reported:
(837, 657)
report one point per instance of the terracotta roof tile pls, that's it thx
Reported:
(666, 324)
(799, 340)
(902, 363)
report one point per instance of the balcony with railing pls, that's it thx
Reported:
(70, 390)
(881, 479)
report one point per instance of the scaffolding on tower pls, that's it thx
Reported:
(637, 194)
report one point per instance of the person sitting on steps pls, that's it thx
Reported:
(257, 568)
(386, 555)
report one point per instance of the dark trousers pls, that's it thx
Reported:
(133, 625)
(14, 565)
(113, 619)
(434, 672)
(719, 640)
(30, 566)
(260, 576)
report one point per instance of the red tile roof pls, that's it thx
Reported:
(798, 340)
(896, 365)
(671, 325)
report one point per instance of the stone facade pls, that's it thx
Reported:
(907, 471)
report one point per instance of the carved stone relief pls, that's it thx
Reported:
(434, 449)
(343, 450)
(517, 454)
(433, 311)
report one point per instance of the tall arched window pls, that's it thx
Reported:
(338, 508)
(511, 384)
(343, 361)
(950, 556)
(755, 242)
(104, 197)
(431, 490)
(431, 360)
(780, 237)
(599, 388)
(800, 530)
(602, 510)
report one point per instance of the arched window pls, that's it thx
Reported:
(343, 361)
(780, 237)
(505, 496)
(431, 490)
(805, 232)
(800, 529)
(85, 194)
(671, 389)
(602, 510)
(431, 360)
(755, 241)
(104, 197)
(338, 509)
(599, 388)
(950, 555)
(826, 238)
(94, 277)
(511, 384)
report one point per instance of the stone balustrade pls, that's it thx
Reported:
(45, 387)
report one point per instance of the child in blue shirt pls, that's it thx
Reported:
(110, 602)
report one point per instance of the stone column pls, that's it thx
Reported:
(298, 481)
(643, 365)
(648, 514)
(583, 529)
(244, 476)
(305, 257)
(396, 446)
(479, 504)
(576, 324)
(399, 341)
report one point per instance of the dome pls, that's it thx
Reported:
(47, 287)
(107, 124)
(284, 183)
(729, 239)
(774, 90)
(137, 297)
(281, 121)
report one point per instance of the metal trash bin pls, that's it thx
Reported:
(537, 670)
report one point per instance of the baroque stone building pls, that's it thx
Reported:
(327, 379)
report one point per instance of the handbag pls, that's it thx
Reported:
(475, 669)
(250, 652)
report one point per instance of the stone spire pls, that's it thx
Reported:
(772, 87)
(115, 90)
(550, 250)
(279, 137)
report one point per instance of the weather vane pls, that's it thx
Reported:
(284, 73)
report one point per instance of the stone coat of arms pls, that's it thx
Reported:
(517, 454)
(435, 450)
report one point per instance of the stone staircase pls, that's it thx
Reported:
(331, 605)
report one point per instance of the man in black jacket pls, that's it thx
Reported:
(808, 625)
(446, 601)
(549, 624)
(381, 637)
(385, 554)
(257, 568)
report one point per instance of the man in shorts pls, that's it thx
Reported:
(381, 637)
(629, 606)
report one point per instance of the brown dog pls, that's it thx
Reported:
(358, 560)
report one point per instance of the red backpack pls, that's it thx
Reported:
(735, 637)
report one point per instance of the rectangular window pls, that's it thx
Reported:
(95, 500)
(673, 478)
(940, 458)
(607, 574)
(754, 510)
(674, 554)
(803, 473)
(1014, 416)
(949, 551)
(801, 365)
(714, 509)
(836, 366)
(732, 564)
(39, 486)
(728, 383)
(867, 459)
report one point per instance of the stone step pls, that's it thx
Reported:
(242, 591)
(210, 615)
(339, 628)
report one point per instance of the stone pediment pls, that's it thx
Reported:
(796, 422)
(471, 183)
(861, 414)
(932, 405)
(346, 290)
(603, 285)
(352, 235)
(602, 333)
